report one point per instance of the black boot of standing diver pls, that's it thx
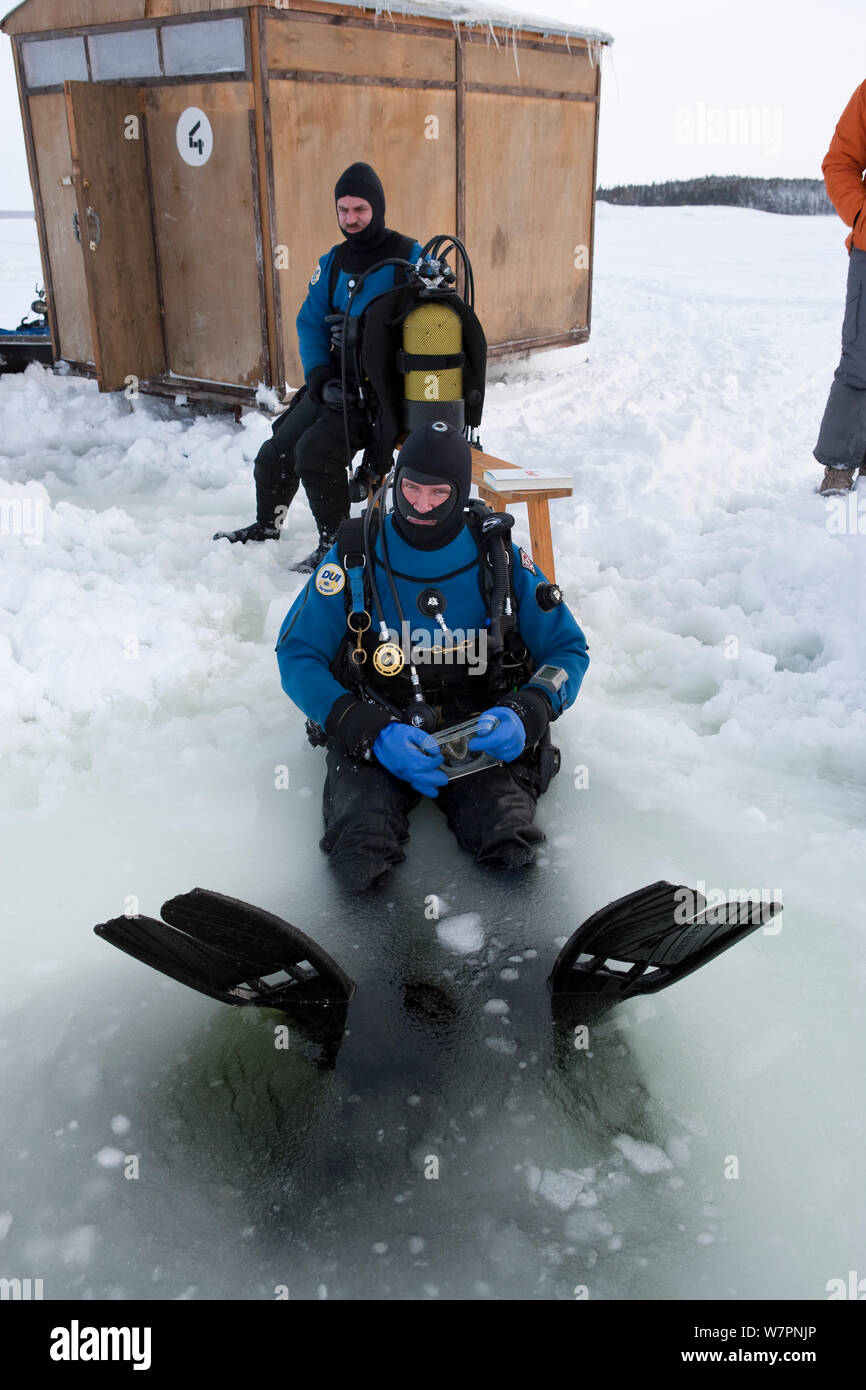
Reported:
(274, 471)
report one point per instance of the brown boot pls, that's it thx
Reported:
(837, 480)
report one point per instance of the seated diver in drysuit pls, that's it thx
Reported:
(353, 685)
(449, 573)
(309, 442)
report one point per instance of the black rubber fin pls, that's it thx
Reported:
(649, 939)
(234, 952)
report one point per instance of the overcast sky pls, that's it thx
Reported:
(690, 87)
(682, 73)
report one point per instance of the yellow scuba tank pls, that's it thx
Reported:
(432, 361)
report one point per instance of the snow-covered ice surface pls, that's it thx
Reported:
(707, 1142)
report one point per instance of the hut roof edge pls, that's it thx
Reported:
(471, 14)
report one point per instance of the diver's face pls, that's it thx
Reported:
(424, 499)
(353, 214)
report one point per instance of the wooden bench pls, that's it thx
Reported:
(536, 499)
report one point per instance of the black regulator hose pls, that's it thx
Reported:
(434, 249)
(369, 548)
(498, 525)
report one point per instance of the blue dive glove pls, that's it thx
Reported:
(506, 740)
(409, 753)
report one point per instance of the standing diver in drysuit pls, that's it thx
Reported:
(309, 443)
(379, 765)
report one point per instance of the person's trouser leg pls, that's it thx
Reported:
(492, 813)
(842, 436)
(274, 471)
(322, 465)
(366, 819)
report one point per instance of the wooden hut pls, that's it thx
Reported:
(183, 155)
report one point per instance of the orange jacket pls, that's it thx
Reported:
(843, 168)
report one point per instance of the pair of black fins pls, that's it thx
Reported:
(240, 954)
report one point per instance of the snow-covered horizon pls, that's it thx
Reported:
(720, 731)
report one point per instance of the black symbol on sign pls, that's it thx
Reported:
(196, 144)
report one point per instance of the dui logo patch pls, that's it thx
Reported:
(316, 275)
(330, 579)
(526, 562)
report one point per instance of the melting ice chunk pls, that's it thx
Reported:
(462, 933)
(646, 1158)
(109, 1158)
(561, 1189)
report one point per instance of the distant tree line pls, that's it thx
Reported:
(767, 195)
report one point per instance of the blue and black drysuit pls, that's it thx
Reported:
(365, 807)
(309, 441)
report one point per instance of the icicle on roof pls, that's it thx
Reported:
(482, 14)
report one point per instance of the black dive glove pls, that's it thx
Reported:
(356, 725)
(533, 709)
(317, 378)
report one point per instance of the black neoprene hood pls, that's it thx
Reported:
(361, 181)
(435, 453)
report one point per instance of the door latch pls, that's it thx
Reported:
(93, 221)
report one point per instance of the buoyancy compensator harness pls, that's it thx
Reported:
(417, 353)
(345, 329)
(508, 661)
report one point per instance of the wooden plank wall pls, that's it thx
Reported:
(321, 125)
(53, 163)
(111, 179)
(206, 230)
(529, 189)
(376, 53)
(38, 15)
(158, 9)
(530, 68)
(526, 214)
(263, 166)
